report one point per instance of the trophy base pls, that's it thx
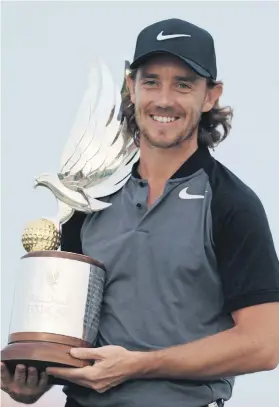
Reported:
(40, 354)
(56, 307)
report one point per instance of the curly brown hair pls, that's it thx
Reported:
(209, 134)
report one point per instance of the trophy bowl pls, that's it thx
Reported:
(56, 306)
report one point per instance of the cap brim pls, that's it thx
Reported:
(197, 68)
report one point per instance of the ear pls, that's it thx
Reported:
(131, 86)
(213, 94)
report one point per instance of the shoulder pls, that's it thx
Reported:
(237, 211)
(230, 191)
(233, 200)
(243, 243)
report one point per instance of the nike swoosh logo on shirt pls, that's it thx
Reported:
(161, 37)
(183, 194)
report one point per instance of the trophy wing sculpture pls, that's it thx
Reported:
(100, 152)
(58, 294)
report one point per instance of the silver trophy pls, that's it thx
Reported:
(58, 295)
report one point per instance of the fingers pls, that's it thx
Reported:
(83, 383)
(32, 377)
(69, 373)
(102, 387)
(43, 380)
(20, 376)
(6, 378)
(86, 353)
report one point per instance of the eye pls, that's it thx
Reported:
(183, 85)
(149, 83)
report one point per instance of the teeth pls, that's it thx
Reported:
(163, 119)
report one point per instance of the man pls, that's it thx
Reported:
(192, 285)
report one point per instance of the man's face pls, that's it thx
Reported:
(169, 98)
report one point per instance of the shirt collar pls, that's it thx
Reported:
(201, 158)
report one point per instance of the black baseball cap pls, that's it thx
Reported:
(192, 44)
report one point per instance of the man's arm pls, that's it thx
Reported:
(249, 272)
(251, 346)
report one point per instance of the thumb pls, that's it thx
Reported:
(86, 353)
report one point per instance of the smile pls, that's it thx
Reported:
(164, 119)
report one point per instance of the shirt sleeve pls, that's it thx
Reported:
(246, 255)
(71, 231)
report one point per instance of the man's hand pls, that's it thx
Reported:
(113, 365)
(25, 386)
(252, 345)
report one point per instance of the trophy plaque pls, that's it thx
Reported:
(58, 295)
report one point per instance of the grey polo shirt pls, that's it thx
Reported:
(175, 272)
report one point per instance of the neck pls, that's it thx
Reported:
(158, 164)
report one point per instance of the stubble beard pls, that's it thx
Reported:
(182, 137)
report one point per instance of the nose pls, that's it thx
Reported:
(165, 98)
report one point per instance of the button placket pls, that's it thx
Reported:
(141, 198)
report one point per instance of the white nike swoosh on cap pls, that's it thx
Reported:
(161, 37)
(183, 194)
